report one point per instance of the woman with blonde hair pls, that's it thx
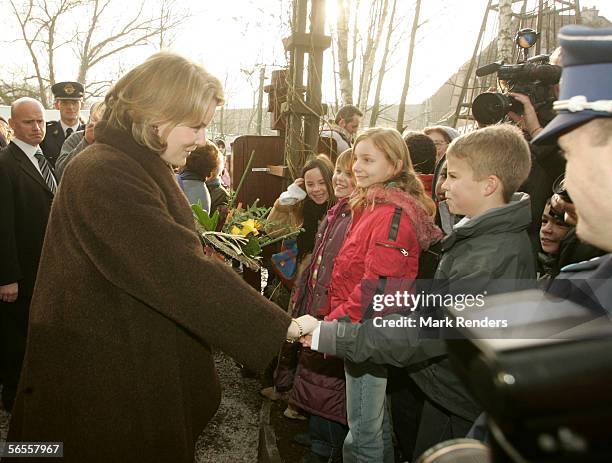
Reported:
(127, 307)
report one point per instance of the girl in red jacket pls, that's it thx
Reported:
(392, 223)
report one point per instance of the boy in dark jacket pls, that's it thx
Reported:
(485, 168)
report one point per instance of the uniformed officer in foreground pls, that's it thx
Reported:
(583, 130)
(69, 101)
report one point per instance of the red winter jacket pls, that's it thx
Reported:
(369, 254)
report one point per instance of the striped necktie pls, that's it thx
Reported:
(69, 132)
(45, 170)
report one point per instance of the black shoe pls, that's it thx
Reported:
(302, 438)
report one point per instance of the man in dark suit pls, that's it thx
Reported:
(69, 102)
(27, 187)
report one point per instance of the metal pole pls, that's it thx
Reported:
(468, 74)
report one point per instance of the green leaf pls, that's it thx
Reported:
(252, 248)
(209, 223)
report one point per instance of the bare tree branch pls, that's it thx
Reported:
(30, 46)
(135, 32)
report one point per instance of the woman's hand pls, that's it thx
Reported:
(299, 182)
(301, 326)
(89, 133)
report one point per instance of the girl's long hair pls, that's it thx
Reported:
(391, 143)
(312, 212)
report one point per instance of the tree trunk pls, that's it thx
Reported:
(374, 35)
(505, 39)
(402, 104)
(355, 38)
(383, 65)
(346, 83)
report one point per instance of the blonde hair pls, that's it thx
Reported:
(166, 88)
(499, 150)
(391, 143)
(96, 111)
(344, 161)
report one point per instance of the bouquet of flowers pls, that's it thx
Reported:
(236, 232)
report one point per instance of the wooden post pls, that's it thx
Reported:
(262, 78)
(294, 140)
(303, 113)
(315, 70)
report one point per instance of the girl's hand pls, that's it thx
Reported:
(299, 182)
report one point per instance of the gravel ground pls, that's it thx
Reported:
(232, 435)
(4, 419)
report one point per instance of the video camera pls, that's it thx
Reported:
(533, 77)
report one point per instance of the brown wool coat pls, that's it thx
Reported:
(125, 312)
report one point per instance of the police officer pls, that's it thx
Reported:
(583, 130)
(69, 101)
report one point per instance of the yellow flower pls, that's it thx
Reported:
(249, 226)
(235, 230)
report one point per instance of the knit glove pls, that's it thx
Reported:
(293, 195)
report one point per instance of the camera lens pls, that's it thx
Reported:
(490, 108)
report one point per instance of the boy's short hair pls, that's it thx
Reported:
(204, 160)
(499, 150)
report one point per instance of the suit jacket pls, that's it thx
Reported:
(54, 139)
(125, 312)
(25, 203)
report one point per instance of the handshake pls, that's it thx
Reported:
(301, 328)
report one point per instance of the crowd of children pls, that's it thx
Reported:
(372, 240)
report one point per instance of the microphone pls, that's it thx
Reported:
(488, 69)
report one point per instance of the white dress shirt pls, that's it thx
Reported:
(66, 127)
(29, 151)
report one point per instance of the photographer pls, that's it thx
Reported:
(547, 164)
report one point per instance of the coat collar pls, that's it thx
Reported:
(26, 165)
(124, 142)
(513, 217)
(422, 223)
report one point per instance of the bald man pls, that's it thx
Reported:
(27, 187)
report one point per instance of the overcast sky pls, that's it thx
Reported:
(232, 37)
